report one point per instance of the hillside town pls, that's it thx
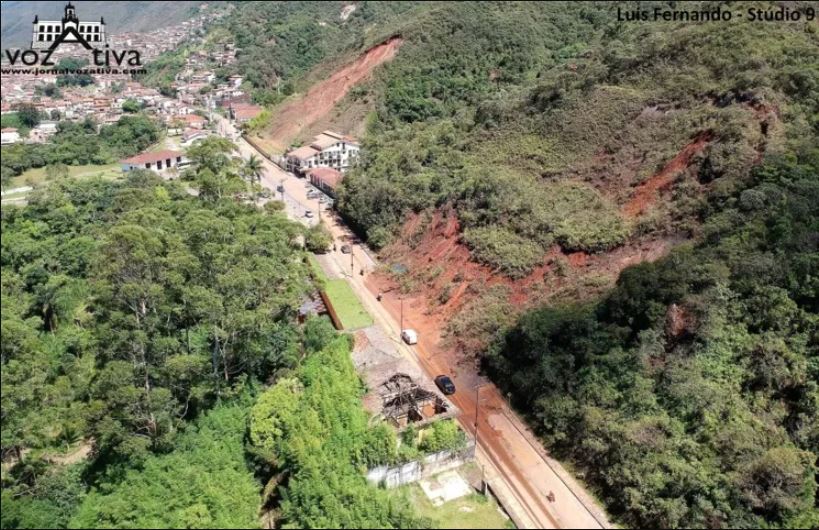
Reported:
(103, 97)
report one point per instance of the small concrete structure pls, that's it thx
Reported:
(395, 476)
(445, 487)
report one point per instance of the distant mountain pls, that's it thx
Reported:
(119, 16)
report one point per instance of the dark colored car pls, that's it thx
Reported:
(445, 384)
(346, 249)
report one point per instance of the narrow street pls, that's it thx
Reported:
(534, 488)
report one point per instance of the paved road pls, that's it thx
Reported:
(531, 484)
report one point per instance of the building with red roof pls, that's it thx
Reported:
(159, 161)
(326, 179)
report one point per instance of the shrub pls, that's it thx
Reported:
(504, 250)
(442, 435)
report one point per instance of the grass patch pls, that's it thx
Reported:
(347, 305)
(37, 176)
(472, 511)
(315, 267)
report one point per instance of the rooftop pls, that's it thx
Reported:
(329, 176)
(303, 153)
(152, 156)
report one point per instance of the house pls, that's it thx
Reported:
(326, 179)
(244, 112)
(328, 149)
(9, 135)
(194, 121)
(159, 161)
(190, 136)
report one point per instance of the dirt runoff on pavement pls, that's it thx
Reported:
(301, 113)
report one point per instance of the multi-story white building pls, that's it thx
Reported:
(46, 32)
(328, 149)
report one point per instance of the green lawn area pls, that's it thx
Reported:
(347, 305)
(472, 511)
(36, 176)
(316, 268)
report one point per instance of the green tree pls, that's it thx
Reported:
(28, 115)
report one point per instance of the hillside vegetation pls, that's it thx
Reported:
(536, 121)
(688, 396)
(140, 328)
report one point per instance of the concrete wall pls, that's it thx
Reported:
(392, 477)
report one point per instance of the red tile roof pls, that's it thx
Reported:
(151, 157)
(246, 111)
(329, 176)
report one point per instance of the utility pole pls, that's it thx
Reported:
(352, 251)
(477, 410)
(281, 183)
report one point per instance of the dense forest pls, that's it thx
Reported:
(129, 309)
(155, 374)
(688, 396)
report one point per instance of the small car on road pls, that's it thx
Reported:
(308, 214)
(346, 249)
(445, 385)
(409, 336)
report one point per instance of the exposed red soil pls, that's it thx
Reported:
(439, 262)
(319, 101)
(646, 193)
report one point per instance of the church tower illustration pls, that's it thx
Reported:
(70, 30)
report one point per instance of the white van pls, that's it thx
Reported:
(409, 336)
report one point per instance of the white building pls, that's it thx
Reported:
(158, 161)
(9, 135)
(70, 30)
(328, 149)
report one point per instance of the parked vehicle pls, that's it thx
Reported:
(409, 336)
(308, 213)
(346, 249)
(280, 188)
(445, 385)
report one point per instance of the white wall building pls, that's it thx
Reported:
(157, 161)
(328, 149)
(9, 135)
